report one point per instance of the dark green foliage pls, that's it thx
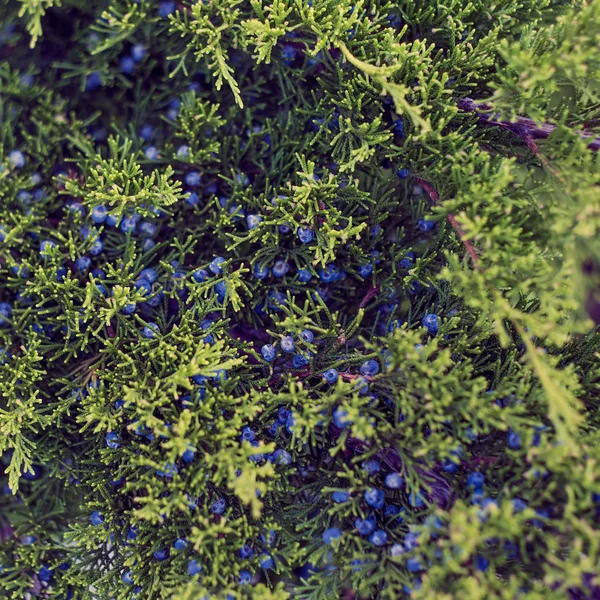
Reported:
(288, 110)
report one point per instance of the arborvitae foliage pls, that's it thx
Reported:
(298, 299)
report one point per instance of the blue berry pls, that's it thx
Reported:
(280, 268)
(519, 505)
(304, 276)
(200, 275)
(403, 173)
(99, 214)
(399, 127)
(331, 534)
(340, 496)
(127, 578)
(112, 440)
(96, 247)
(514, 440)
(93, 81)
(266, 561)
(378, 538)
(329, 274)
(340, 418)
(83, 263)
(425, 225)
(365, 270)
(261, 272)
(142, 285)
(150, 330)
(146, 132)
(183, 152)
(307, 335)
(300, 361)
(128, 224)
(138, 51)
(127, 65)
(45, 574)
(369, 368)
(246, 551)
(253, 221)
(475, 480)
(189, 455)
(269, 352)
(449, 466)
(215, 266)
(414, 565)
(372, 466)
(245, 577)
(306, 234)
(192, 199)
(431, 323)
(166, 8)
(17, 159)
(161, 555)
(287, 344)
(331, 376)
(96, 518)
(374, 498)
(5, 312)
(282, 457)
(481, 563)
(194, 568)
(365, 526)
(151, 153)
(218, 506)
(192, 178)
(394, 481)
(248, 434)
(288, 54)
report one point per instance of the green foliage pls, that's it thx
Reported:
(343, 119)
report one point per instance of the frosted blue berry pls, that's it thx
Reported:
(519, 505)
(218, 506)
(150, 330)
(246, 551)
(288, 54)
(127, 578)
(425, 225)
(394, 481)
(245, 577)
(99, 214)
(431, 323)
(280, 268)
(330, 376)
(365, 526)
(282, 457)
(372, 466)
(269, 352)
(287, 344)
(146, 131)
(112, 440)
(127, 65)
(194, 568)
(374, 498)
(307, 335)
(128, 224)
(200, 275)
(331, 534)
(151, 153)
(369, 368)
(96, 247)
(329, 274)
(192, 199)
(449, 466)
(96, 518)
(403, 173)
(83, 263)
(17, 159)
(248, 434)
(142, 285)
(304, 275)
(253, 221)
(138, 51)
(378, 538)
(166, 8)
(215, 266)
(192, 178)
(306, 235)
(183, 152)
(300, 361)
(365, 270)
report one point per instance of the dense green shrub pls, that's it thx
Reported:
(298, 299)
